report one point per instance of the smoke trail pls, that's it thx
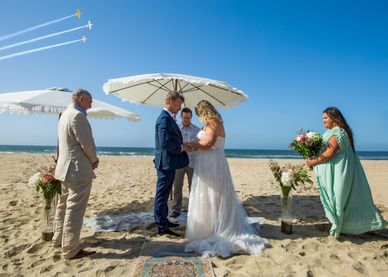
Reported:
(41, 48)
(38, 26)
(44, 37)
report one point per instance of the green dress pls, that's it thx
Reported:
(344, 190)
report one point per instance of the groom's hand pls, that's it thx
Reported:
(186, 148)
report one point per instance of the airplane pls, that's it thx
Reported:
(78, 13)
(89, 25)
(84, 39)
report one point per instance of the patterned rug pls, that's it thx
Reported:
(127, 221)
(165, 259)
(132, 220)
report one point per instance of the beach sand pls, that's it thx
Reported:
(128, 184)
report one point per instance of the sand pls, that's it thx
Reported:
(128, 184)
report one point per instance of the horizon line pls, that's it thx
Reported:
(150, 147)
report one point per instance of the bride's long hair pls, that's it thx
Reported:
(206, 112)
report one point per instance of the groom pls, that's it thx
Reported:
(170, 154)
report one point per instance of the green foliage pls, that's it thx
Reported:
(299, 176)
(49, 190)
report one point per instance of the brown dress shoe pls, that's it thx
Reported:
(82, 253)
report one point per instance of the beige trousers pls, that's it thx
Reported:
(69, 216)
(178, 184)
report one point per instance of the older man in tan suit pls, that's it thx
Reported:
(76, 161)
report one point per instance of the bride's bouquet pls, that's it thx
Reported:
(307, 144)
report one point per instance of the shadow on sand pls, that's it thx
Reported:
(308, 214)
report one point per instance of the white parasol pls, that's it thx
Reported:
(151, 89)
(55, 101)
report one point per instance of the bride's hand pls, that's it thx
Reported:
(193, 145)
(187, 147)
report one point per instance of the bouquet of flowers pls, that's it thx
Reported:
(44, 182)
(307, 144)
(289, 176)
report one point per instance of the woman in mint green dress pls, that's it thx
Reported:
(344, 189)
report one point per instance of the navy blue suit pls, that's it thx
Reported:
(168, 158)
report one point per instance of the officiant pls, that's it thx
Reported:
(189, 134)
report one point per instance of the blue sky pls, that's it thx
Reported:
(293, 59)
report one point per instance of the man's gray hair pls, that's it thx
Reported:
(80, 92)
(173, 96)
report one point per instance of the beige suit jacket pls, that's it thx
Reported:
(77, 150)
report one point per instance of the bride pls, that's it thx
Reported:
(217, 224)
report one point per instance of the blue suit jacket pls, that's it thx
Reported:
(168, 141)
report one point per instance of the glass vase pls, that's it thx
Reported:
(48, 219)
(286, 213)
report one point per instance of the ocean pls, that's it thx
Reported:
(148, 151)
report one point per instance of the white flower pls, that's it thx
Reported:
(287, 178)
(34, 180)
(311, 134)
(314, 136)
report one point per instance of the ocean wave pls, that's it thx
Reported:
(123, 153)
(144, 151)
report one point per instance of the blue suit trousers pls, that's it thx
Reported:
(163, 190)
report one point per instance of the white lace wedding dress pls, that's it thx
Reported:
(217, 223)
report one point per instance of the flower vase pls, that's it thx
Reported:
(48, 219)
(286, 213)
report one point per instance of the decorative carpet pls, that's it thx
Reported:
(168, 259)
(127, 221)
